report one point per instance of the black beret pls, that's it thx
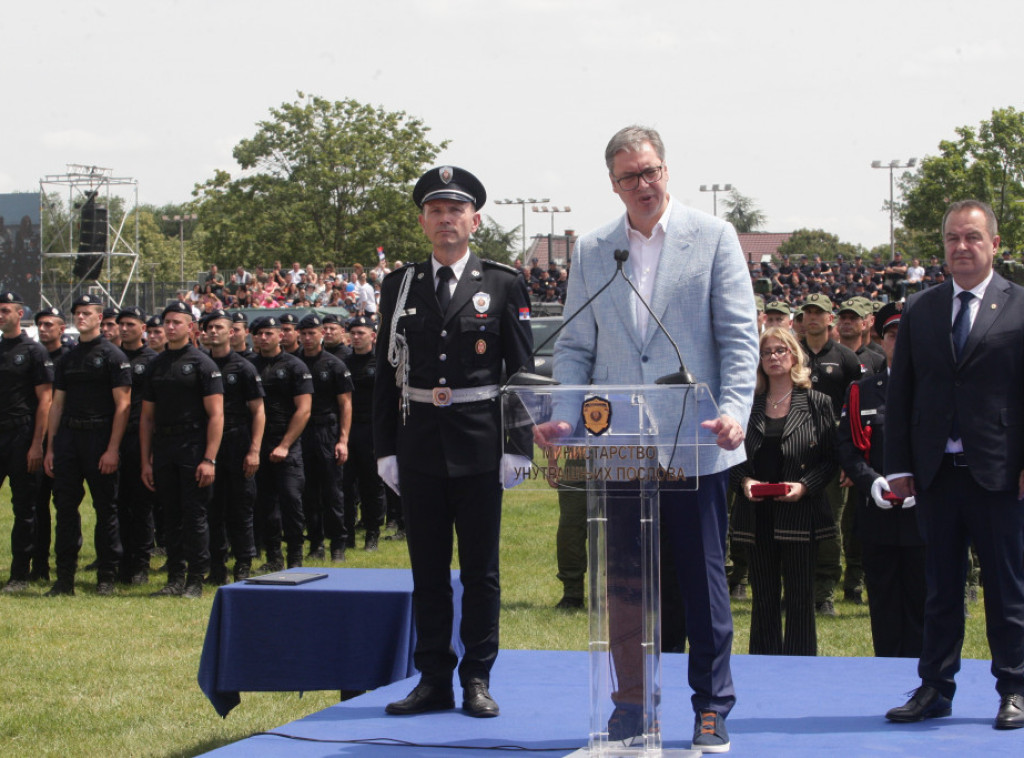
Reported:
(312, 321)
(55, 312)
(178, 307)
(288, 318)
(264, 322)
(363, 321)
(11, 297)
(449, 183)
(132, 311)
(85, 300)
(239, 317)
(214, 315)
(155, 321)
(330, 318)
(111, 313)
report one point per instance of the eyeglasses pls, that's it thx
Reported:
(631, 182)
(776, 352)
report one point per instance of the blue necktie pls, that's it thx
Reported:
(962, 324)
(961, 330)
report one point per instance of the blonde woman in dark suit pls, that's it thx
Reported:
(790, 441)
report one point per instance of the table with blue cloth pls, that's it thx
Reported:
(352, 630)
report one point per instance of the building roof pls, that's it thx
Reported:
(546, 247)
(757, 244)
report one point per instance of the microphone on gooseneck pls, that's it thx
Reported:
(679, 377)
(524, 378)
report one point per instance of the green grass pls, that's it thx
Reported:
(92, 676)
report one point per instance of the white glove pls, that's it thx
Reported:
(513, 469)
(387, 468)
(909, 502)
(878, 488)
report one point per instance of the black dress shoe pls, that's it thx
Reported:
(61, 587)
(424, 697)
(1011, 712)
(477, 701)
(927, 703)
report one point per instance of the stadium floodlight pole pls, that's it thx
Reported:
(523, 203)
(891, 166)
(552, 210)
(181, 219)
(714, 189)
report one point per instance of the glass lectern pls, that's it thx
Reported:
(626, 444)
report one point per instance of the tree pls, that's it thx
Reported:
(986, 164)
(326, 181)
(494, 242)
(742, 213)
(811, 242)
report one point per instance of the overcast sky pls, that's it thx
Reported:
(788, 101)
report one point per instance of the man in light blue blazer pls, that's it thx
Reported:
(689, 267)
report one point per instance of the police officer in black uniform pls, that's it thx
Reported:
(334, 336)
(50, 323)
(239, 335)
(180, 431)
(26, 390)
(234, 491)
(109, 327)
(361, 468)
(157, 341)
(325, 443)
(91, 402)
(134, 500)
(893, 549)
(290, 334)
(280, 480)
(452, 320)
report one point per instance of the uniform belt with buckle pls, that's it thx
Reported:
(444, 396)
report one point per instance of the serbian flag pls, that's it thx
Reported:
(380, 253)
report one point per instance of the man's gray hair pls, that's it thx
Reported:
(991, 224)
(633, 138)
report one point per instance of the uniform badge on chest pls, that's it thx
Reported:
(481, 347)
(19, 359)
(187, 369)
(481, 301)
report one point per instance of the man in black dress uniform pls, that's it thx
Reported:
(91, 400)
(50, 323)
(334, 338)
(361, 468)
(157, 341)
(26, 389)
(280, 479)
(134, 500)
(451, 321)
(234, 490)
(325, 442)
(893, 550)
(180, 431)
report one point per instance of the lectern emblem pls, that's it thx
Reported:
(597, 415)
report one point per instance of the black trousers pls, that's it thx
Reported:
(954, 511)
(134, 509)
(279, 500)
(322, 497)
(895, 580)
(184, 504)
(14, 446)
(233, 503)
(433, 507)
(76, 456)
(43, 534)
(361, 474)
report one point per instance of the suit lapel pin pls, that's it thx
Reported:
(994, 306)
(419, 276)
(475, 274)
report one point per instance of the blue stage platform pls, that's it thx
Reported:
(792, 707)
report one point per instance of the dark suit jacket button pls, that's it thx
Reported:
(643, 359)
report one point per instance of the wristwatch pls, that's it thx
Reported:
(211, 461)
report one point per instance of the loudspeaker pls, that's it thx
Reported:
(92, 238)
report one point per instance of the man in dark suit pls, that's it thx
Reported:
(447, 326)
(955, 440)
